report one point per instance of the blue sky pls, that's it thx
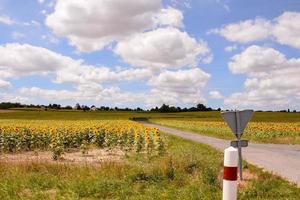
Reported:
(228, 54)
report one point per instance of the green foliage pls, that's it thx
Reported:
(170, 171)
(26, 135)
(84, 147)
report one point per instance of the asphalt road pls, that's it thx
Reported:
(280, 159)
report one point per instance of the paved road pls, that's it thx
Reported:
(283, 160)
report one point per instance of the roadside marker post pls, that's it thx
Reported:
(230, 174)
(237, 121)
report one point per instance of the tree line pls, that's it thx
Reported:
(163, 108)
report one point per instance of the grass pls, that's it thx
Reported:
(188, 171)
(202, 116)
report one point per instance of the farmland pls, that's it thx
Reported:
(270, 127)
(152, 165)
(58, 136)
(266, 132)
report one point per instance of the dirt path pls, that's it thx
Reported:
(7, 111)
(283, 160)
(94, 156)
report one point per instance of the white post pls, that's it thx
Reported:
(230, 174)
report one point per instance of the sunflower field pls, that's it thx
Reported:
(277, 132)
(60, 135)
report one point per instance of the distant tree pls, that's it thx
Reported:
(93, 107)
(193, 109)
(7, 105)
(68, 107)
(164, 108)
(77, 106)
(85, 108)
(202, 107)
(139, 109)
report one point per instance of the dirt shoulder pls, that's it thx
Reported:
(94, 156)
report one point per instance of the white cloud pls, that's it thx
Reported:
(256, 60)
(89, 81)
(284, 29)
(26, 60)
(6, 97)
(230, 48)
(287, 29)
(177, 87)
(169, 16)
(32, 23)
(4, 84)
(162, 48)
(92, 93)
(50, 38)
(86, 74)
(6, 20)
(92, 25)
(215, 95)
(245, 31)
(273, 80)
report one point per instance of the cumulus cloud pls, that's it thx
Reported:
(92, 25)
(93, 93)
(177, 87)
(215, 95)
(273, 80)
(258, 60)
(285, 29)
(169, 17)
(26, 60)
(7, 97)
(6, 20)
(162, 48)
(245, 31)
(4, 84)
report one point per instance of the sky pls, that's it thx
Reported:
(230, 54)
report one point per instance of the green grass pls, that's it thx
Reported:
(202, 116)
(188, 171)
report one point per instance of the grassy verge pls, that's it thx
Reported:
(188, 171)
(262, 132)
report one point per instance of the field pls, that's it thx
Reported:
(141, 163)
(264, 132)
(265, 127)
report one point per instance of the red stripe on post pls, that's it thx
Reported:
(230, 173)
